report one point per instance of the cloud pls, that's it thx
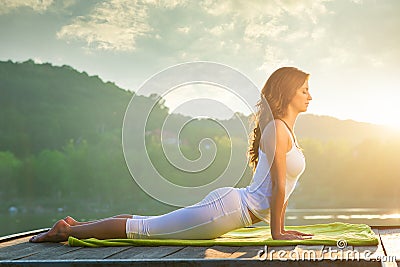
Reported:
(114, 24)
(261, 22)
(305, 9)
(117, 25)
(265, 35)
(360, 36)
(245, 10)
(271, 29)
(258, 34)
(318, 33)
(222, 28)
(184, 30)
(337, 55)
(7, 6)
(170, 4)
(258, 9)
(216, 8)
(273, 58)
(69, 3)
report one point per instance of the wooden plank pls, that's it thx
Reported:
(391, 243)
(146, 252)
(23, 234)
(16, 252)
(129, 253)
(14, 242)
(91, 253)
(214, 252)
(220, 252)
(247, 252)
(189, 252)
(52, 252)
(19, 249)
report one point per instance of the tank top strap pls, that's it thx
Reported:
(291, 134)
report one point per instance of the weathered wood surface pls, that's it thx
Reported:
(18, 251)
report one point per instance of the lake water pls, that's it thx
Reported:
(372, 217)
(19, 222)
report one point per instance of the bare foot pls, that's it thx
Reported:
(71, 221)
(58, 233)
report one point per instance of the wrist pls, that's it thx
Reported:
(276, 234)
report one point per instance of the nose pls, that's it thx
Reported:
(309, 96)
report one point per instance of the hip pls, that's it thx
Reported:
(229, 199)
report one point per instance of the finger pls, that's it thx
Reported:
(303, 234)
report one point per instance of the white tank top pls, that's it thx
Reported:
(257, 195)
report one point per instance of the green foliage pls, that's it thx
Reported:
(44, 106)
(9, 172)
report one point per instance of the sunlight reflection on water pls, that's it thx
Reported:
(318, 217)
(345, 216)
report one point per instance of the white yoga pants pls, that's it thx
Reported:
(219, 212)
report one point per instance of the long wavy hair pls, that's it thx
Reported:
(276, 95)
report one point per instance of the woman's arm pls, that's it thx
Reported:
(283, 216)
(278, 177)
(293, 232)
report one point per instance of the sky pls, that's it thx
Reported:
(350, 47)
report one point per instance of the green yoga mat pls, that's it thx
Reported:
(324, 234)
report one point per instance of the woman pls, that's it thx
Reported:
(225, 209)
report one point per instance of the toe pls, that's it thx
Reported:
(38, 238)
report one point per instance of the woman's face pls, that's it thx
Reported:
(301, 99)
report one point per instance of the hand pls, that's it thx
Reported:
(296, 233)
(286, 236)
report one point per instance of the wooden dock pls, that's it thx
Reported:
(15, 250)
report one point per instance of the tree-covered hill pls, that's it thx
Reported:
(60, 129)
(326, 128)
(44, 106)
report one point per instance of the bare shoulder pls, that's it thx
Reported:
(274, 136)
(275, 127)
